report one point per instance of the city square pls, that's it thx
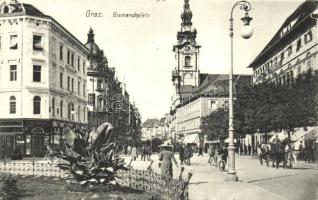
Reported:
(168, 99)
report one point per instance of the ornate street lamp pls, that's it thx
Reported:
(246, 33)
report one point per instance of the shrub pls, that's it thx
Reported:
(9, 189)
(90, 159)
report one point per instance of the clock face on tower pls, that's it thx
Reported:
(187, 48)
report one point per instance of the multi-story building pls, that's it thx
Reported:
(149, 129)
(292, 50)
(108, 100)
(196, 94)
(42, 79)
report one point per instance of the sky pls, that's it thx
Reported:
(141, 49)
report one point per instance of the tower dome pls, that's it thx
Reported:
(91, 45)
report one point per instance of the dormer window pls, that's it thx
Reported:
(13, 42)
(5, 10)
(37, 43)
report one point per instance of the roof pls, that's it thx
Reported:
(150, 122)
(295, 19)
(214, 85)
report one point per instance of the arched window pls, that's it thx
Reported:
(13, 105)
(5, 9)
(37, 105)
(187, 60)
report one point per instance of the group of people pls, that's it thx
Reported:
(144, 151)
(185, 154)
(284, 151)
(217, 152)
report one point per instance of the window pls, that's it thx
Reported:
(79, 64)
(61, 80)
(99, 84)
(79, 113)
(79, 88)
(61, 108)
(289, 50)
(83, 67)
(12, 105)
(6, 9)
(72, 60)
(13, 72)
(187, 61)
(84, 113)
(281, 58)
(91, 99)
(72, 85)
(37, 43)
(53, 107)
(68, 83)
(36, 105)
(13, 42)
(36, 73)
(84, 89)
(298, 45)
(68, 57)
(61, 52)
(308, 37)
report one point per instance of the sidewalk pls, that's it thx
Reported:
(208, 183)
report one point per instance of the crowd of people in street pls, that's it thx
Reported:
(285, 151)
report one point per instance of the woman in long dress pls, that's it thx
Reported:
(166, 157)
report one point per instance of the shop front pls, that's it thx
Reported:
(31, 137)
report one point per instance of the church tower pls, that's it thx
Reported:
(186, 71)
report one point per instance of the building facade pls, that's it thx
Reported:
(292, 50)
(42, 79)
(108, 100)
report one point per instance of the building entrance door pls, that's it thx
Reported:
(38, 148)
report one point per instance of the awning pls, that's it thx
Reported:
(192, 138)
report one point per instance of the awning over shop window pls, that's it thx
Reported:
(192, 138)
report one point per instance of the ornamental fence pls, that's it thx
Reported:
(147, 180)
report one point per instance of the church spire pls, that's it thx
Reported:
(186, 15)
(90, 35)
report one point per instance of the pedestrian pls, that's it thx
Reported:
(143, 153)
(260, 154)
(149, 152)
(181, 154)
(211, 152)
(286, 154)
(134, 153)
(295, 153)
(249, 148)
(301, 151)
(166, 157)
(188, 153)
(125, 149)
(245, 149)
(200, 151)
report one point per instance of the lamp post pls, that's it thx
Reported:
(246, 33)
